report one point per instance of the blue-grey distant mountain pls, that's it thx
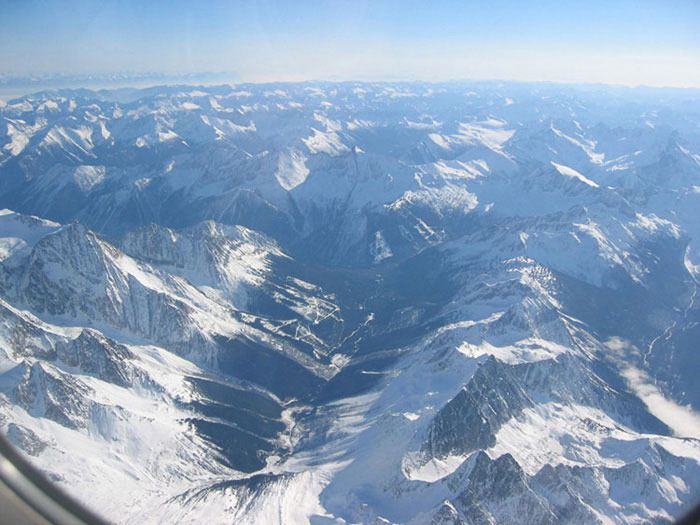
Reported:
(355, 302)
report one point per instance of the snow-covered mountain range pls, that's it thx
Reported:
(459, 303)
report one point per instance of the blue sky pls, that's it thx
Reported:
(650, 42)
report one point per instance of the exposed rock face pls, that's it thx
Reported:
(44, 391)
(94, 354)
(472, 418)
(25, 439)
(358, 303)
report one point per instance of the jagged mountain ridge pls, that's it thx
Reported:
(406, 303)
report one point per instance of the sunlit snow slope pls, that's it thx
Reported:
(354, 302)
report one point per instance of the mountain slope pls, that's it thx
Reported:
(403, 303)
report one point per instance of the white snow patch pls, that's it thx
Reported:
(327, 142)
(411, 416)
(188, 106)
(291, 169)
(525, 351)
(588, 146)
(87, 177)
(523, 239)
(379, 249)
(564, 436)
(433, 470)
(570, 172)
(276, 93)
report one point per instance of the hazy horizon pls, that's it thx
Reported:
(651, 43)
(19, 89)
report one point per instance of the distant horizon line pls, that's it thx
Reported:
(30, 84)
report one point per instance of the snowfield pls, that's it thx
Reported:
(342, 303)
